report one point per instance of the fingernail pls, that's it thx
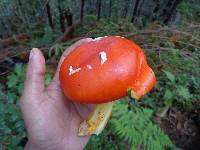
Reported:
(31, 54)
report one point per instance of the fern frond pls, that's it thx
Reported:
(135, 127)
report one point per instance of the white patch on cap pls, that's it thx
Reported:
(97, 39)
(103, 57)
(120, 37)
(72, 71)
(89, 67)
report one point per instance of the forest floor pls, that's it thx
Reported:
(183, 127)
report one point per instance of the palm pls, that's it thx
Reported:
(58, 119)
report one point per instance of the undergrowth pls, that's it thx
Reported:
(134, 129)
(12, 129)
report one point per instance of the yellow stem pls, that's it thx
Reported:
(97, 120)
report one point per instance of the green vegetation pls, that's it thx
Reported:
(178, 85)
(169, 35)
(12, 130)
(133, 127)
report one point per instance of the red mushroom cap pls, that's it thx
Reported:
(104, 69)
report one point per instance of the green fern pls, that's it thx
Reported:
(135, 127)
(107, 140)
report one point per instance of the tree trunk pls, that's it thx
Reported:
(19, 2)
(69, 17)
(82, 10)
(110, 9)
(125, 9)
(140, 7)
(48, 8)
(62, 19)
(156, 9)
(171, 10)
(98, 10)
(166, 9)
(135, 10)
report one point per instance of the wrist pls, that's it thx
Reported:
(62, 146)
(74, 143)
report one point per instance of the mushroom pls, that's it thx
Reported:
(118, 66)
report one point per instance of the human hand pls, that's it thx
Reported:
(51, 120)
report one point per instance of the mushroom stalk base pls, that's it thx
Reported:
(97, 120)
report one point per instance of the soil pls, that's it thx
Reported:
(183, 128)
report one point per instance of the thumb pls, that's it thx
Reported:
(34, 83)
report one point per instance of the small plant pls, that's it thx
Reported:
(177, 89)
(56, 50)
(15, 79)
(48, 35)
